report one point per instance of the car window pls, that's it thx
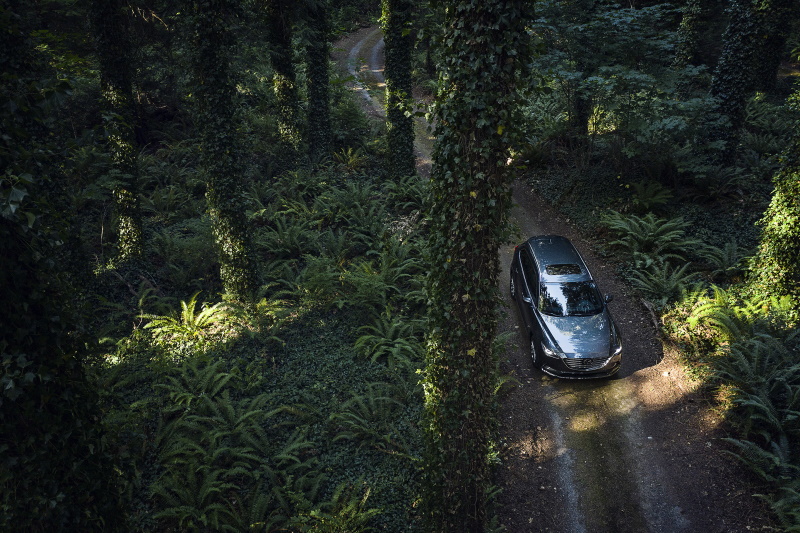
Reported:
(531, 274)
(570, 299)
(562, 270)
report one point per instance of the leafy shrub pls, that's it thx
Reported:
(650, 235)
(189, 329)
(392, 339)
(662, 283)
(727, 263)
(650, 195)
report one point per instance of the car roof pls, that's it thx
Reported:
(560, 255)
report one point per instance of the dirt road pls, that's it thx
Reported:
(638, 453)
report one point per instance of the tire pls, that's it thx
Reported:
(534, 352)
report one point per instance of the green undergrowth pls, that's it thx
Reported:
(299, 409)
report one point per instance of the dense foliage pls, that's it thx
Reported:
(56, 468)
(195, 415)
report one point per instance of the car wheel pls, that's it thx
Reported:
(534, 352)
(513, 287)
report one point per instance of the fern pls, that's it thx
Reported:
(350, 159)
(345, 512)
(222, 469)
(365, 418)
(662, 283)
(289, 238)
(189, 326)
(765, 375)
(734, 318)
(650, 235)
(726, 262)
(771, 465)
(407, 194)
(391, 339)
(649, 195)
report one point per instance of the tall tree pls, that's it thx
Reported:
(214, 91)
(112, 35)
(776, 270)
(775, 18)
(688, 34)
(733, 80)
(279, 21)
(470, 202)
(396, 20)
(318, 57)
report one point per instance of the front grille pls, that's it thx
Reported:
(586, 364)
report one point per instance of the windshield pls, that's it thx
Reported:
(570, 299)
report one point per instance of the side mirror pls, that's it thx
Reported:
(609, 298)
(526, 299)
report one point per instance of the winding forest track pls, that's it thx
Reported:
(638, 453)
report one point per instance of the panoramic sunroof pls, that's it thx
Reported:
(562, 270)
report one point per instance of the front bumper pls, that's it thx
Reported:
(582, 368)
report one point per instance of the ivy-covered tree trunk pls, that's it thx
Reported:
(688, 34)
(776, 270)
(284, 79)
(399, 104)
(214, 92)
(775, 17)
(319, 109)
(111, 28)
(470, 202)
(732, 83)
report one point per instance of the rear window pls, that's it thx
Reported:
(562, 270)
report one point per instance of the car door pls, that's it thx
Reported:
(529, 291)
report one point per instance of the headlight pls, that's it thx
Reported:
(549, 352)
(616, 349)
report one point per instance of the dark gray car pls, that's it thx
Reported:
(570, 329)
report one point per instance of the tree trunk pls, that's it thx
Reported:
(733, 83)
(319, 112)
(399, 103)
(216, 118)
(284, 79)
(112, 34)
(776, 269)
(470, 203)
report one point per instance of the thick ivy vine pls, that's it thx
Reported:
(111, 28)
(776, 270)
(399, 105)
(469, 205)
(284, 81)
(214, 91)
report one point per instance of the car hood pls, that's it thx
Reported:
(581, 336)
